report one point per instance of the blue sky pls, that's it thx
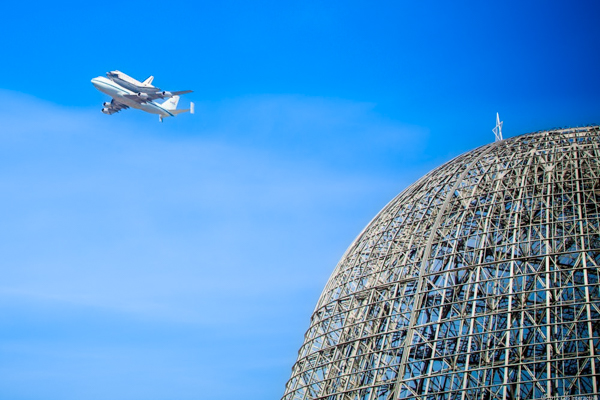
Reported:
(182, 260)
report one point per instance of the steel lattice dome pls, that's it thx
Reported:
(479, 281)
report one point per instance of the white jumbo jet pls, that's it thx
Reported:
(127, 92)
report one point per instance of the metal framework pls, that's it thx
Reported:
(479, 281)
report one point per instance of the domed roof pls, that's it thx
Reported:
(479, 281)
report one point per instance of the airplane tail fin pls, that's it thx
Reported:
(171, 106)
(148, 82)
(171, 103)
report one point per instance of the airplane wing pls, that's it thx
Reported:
(113, 107)
(181, 92)
(140, 97)
(144, 97)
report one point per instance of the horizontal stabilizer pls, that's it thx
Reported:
(176, 112)
(190, 110)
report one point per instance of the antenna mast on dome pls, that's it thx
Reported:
(498, 129)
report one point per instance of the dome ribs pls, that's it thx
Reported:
(479, 281)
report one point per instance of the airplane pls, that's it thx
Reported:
(128, 95)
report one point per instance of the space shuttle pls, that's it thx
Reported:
(128, 82)
(145, 87)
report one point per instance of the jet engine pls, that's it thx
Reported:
(143, 96)
(106, 111)
(167, 94)
(106, 104)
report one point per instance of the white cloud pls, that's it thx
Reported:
(166, 219)
(170, 249)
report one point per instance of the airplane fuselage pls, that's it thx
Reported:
(133, 87)
(117, 92)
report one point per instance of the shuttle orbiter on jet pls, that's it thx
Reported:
(146, 87)
(128, 92)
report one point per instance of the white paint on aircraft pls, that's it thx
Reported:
(127, 92)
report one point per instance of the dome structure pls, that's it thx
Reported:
(479, 281)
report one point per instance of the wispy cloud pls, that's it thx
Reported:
(91, 201)
(235, 217)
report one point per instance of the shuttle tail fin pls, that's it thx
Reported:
(148, 81)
